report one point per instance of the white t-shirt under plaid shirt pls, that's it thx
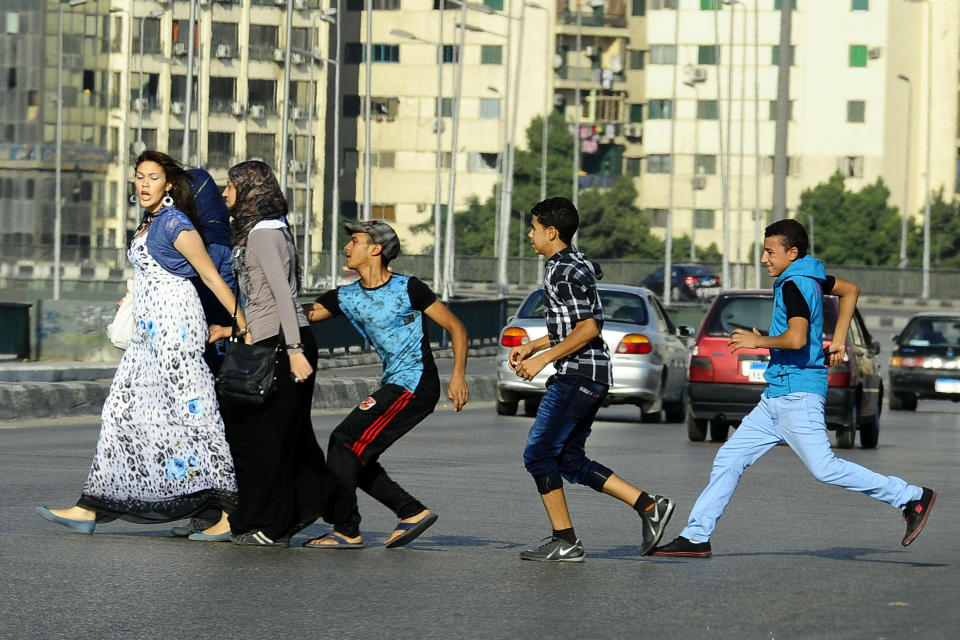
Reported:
(570, 295)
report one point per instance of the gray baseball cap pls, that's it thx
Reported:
(380, 232)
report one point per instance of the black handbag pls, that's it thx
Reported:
(248, 374)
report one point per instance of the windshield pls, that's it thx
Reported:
(747, 312)
(697, 270)
(929, 332)
(618, 306)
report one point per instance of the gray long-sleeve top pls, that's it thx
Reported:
(270, 287)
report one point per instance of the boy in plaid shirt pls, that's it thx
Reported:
(555, 445)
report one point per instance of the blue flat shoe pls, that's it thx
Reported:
(206, 537)
(410, 531)
(83, 526)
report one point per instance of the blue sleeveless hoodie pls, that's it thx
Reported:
(799, 370)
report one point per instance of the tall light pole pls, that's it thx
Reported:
(668, 244)
(438, 128)
(693, 79)
(451, 193)
(925, 290)
(544, 132)
(906, 175)
(724, 185)
(368, 84)
(576, 116)
(284, 142)
(326, 15)
(743, 98)
(58, 209)
(758, 239)
(188, 106)
(335, 196)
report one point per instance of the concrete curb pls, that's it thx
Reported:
(22, 401)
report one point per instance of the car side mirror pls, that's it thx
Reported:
(894, 338)
(684, 331)
(876, 346)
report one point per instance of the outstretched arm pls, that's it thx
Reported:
(457, 390)
(190, 245)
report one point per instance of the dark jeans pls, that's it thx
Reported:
(557, 439)
(358, 442)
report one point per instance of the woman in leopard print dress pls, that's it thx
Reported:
(162, 454)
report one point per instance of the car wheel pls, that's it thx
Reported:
(846, 435)
(508, 408)
(909, 402)
(530, 406)
(896, 401)
(719, 430)
(870, 433)
(696, 429)
(675, 411)
(650, 418)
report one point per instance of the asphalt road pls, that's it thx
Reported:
(793, 558)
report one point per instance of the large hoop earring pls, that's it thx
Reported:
(133, 198)
(167, 201)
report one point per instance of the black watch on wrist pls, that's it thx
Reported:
(298, 345)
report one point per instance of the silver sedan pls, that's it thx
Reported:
(647, 352)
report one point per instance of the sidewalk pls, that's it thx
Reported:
(53, 389)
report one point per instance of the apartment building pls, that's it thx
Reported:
(712, 73)
(28, 131)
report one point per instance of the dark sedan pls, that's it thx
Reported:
(926, 360)
(689, 282)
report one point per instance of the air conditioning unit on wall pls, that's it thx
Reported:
(179, 48)
(296, 113)
(237, 109)
(257, 111)
(223, 51)
(177, 108)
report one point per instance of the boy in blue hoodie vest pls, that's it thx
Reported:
(791, 407)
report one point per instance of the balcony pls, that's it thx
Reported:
(590, 78)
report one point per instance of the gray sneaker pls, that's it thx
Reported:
(653, 522)
(554, 550)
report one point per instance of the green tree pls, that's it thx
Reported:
(851, 227)
(944, 234)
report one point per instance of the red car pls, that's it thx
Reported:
(722, 387)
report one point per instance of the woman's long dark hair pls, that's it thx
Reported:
(258, 198)
(179, 179)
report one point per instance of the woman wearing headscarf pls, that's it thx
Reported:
(281, 473)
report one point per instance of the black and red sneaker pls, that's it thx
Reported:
(915, 513)
(680, 547)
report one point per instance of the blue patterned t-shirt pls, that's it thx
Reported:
(391, 318)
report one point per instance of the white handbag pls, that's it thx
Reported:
(121, 329)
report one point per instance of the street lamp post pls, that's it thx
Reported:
(368, 84)
(692, 81)
(58, 209)
(925, 290)
(449, 240)
(577, 114)
(757, 240)
(284, 142)
(188, 106)
(906, 175)
(668, 244)
(335, 196)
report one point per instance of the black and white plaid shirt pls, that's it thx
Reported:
(570, 295)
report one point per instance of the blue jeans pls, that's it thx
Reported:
(797, 419)
(555, 445)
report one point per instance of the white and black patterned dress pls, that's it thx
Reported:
(162, 454)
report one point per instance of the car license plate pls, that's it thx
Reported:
(946, 385)
(753, 369)
(708, 292)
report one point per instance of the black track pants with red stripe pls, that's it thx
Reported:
(357, 443)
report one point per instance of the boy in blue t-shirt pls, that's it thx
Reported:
(387, 309)
(791, 408)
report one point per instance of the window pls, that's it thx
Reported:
(706, 109)
(496, 5)
(793, 165)
(261, 146)
(263, 40)
(773, 110)
(852, 166)
(491, 54)
(384, 108)
(633, 167)
(858, 55)
(388, 53)
(777, 5)
(444, 160)
(383, 159)
(12, 78)
(478, 161)
(224, 33)
(663, 4)
(222, 94)
(663, 54)
(639, 7)
(446, 107)
(707, 54)
(856, 111)
(636, 113)
(386, 212)
(219, 149)
(660, 109)
(710, 5)
(658, 217)
(775, 54)
(450, 54)
(704, 164)
(659, 163)
(262, 92)
(300, 38)
(151, 35)
(351, 106)
(635, 58)
(860, 5)
(385, 5)
(703, 218)
(178, 89)
(490, 108)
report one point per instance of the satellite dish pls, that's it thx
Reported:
(557, 61)
(615, 64)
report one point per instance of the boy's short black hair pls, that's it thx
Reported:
(560, 214)
(792, 235)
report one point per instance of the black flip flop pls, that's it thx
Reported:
(411, 530)
(340, 539)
